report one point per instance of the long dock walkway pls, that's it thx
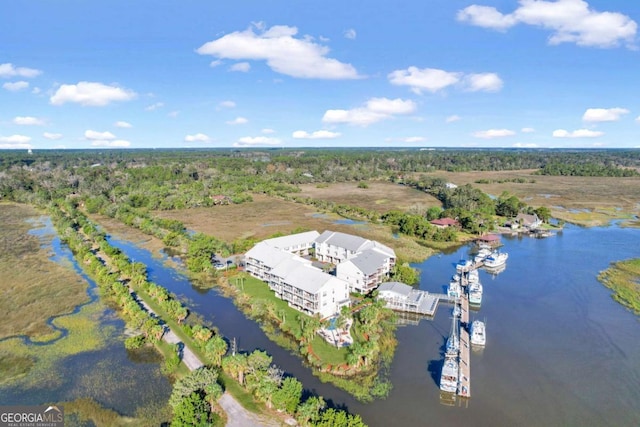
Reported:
(464, 380)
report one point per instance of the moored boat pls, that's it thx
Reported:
(496, 259)
(454, 290)
(449, 375)
(463, 265)
(453, 341)
(482, 254)
(478, 333)
(475, 293)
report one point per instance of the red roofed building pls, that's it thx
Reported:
(445, 222)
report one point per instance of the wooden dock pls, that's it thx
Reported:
(464, 310)
(464, 380)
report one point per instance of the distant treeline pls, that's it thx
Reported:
(586, 169)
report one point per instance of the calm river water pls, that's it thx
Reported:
(560, 351)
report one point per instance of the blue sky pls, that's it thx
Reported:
(424, 73)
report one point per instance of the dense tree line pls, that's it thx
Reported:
(586, 169)
(268, 384)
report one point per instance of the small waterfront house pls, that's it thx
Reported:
(529, 221)
(445, 222)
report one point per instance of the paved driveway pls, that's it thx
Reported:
(237, 416)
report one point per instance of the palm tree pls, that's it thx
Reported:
(215, 348)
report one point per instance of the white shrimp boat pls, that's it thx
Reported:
(496, 259)
(454, 290)
(475, 293)
(450, 374)
(478, 333)
(482, 254)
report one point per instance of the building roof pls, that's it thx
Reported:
(268, 255)
(489, 238)
(353, 243)
(396, 287)
(527, 219)
(311, 279)
(368, 261)
(342, 240)
(444, 221)
(285, 266)
(307, 237)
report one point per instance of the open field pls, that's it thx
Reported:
(380, 196)
(266, 216)
(579, 199)
(33, 287)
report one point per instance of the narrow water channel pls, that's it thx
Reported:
(559, 350)
(112, 376)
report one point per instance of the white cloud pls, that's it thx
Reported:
(118, 143)
(28, 121)
(493, 133)
(434, 80)
(227, 104)
(414, 139)
(527, 130)
(15, 142)
(638, 119)
(375, 109)
(243, 67)
(570, 21)
(52, 136)
(215, 63)
(283, 53)
(430, 79)
(249, 141)
(35, 90)
(8, 70)
(350, 34)
(154, 106)
(319, 134)
(198, 137)
(173, 114)
(604, 114)
(94, 135)
(15, 86)
(268, 131)
(238, 121)
(525, 145)
(124, 125)
(580, 133)
(91, 94)
(453, 118)
(483, 82)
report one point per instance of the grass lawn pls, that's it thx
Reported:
(329, 354)
(258, 290)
